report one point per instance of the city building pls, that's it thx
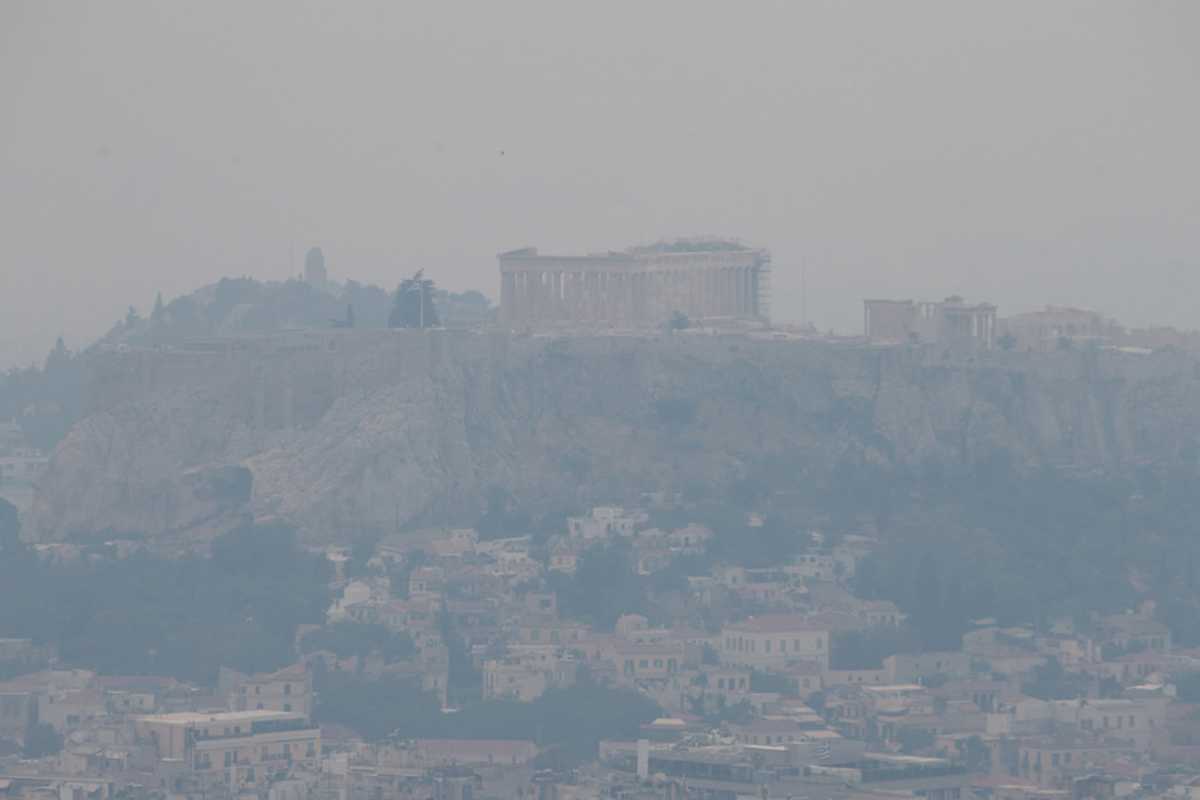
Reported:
(527, 672)
(289, 689)
(233, 748)
(772, 641)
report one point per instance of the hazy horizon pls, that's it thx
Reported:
(1019, 153)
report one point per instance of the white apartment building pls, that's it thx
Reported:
(772, 641)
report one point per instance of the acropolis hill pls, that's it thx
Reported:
(346, 431)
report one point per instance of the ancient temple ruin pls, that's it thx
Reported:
(704, 279)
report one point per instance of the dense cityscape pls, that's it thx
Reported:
(531, 400)
(776, 632)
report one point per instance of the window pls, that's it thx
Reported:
(644, 663)
(768, 645)
(287, 706)
(287, 688)
(228, 759)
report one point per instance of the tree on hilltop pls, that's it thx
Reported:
(412, 306)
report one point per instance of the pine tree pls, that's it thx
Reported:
(413, 304)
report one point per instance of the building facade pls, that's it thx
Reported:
(288, 690)
(951, 322)
(773, 641)
(233, 748)
(639, 287)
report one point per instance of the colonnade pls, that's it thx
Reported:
(627, 296)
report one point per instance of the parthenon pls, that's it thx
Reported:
(642, 286)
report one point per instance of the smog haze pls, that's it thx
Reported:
(899, 150)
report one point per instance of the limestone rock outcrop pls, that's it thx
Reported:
(344, 431)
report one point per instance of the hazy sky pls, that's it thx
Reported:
(1020, 152)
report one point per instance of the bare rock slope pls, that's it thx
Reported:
(345, 431)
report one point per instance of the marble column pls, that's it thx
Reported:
(571, 295)
(556, 292)
(591, 287)
(752, 289)
(538, 301)
(507, 282)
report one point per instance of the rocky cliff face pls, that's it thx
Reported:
(343, 431)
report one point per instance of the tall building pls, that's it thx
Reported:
(638, 287)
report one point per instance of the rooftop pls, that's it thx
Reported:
(199, 718)
(777, 623)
